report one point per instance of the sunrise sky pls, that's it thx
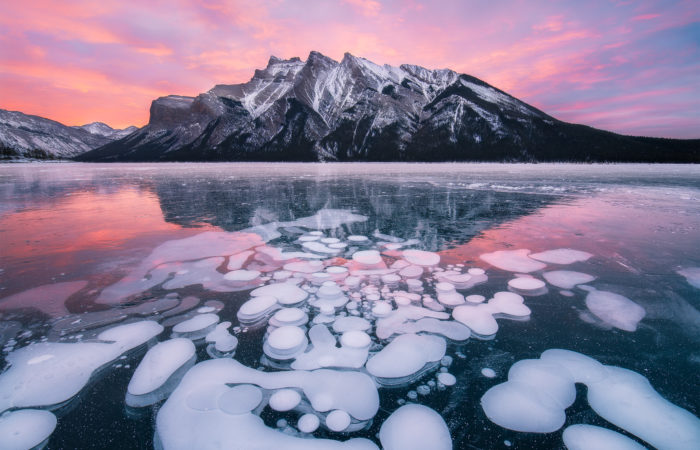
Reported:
(627, 66)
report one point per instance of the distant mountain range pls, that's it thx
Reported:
(32, 137)
(356, 110)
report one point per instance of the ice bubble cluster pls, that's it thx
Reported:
(415, 427)
(538, 391)
(614, 309)
(203, 397)
(49, 373)
(406, 356)
(481, 317)
(25, 429)
(352, 353)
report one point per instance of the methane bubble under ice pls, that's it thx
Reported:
(615, 310)
(538, 391)
(561, 256)
(590, 437)
(25, 429)
(567, 279)
(415, 427)
(513, 261)
(159, 363)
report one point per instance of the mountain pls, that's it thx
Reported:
(356, 110)
(104, 130)
(24, 136)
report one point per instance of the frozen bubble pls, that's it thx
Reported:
(238, 260)
(160, 362)
(241, 277)
(590, 437)
(316, 233)
(391, 279)
(526, 284)
(615, 310)
(330, 240)
(289, 316)
(224, 342)
(567, 279)
(286, 338)
(692, 275)
(411, 271)
(356, 238)
(25, 429)
(406, 355)
(488, 373)
(475, 271)
(318, 247)
(318, 278)
(257, 308)
(381, 309)
(240, 399)
(205, 309)
(512, 260)
(197, 323)
(367, 257)
(475, 298)
(355, 339)
(337, 420)
(423, 390)
(285, 293)
(338, 245)
(421, 258)
(50, 381)
(304, 266)
(537, 393)
(308, 238)
(561, 256)
(412, 395)
(308, 423)
(285, 400)
(415, 427)
(446, 378)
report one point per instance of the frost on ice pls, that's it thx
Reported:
(538, 391)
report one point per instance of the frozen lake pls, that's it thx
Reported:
(292, 305)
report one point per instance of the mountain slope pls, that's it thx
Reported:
(356, 110)
(25, 136)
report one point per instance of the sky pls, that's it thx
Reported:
(632, 67)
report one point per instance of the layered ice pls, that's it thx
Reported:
(49, 373)
(538, 391)
(415, 427)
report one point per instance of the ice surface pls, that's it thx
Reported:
(406, 355)
(537, 393)
(513, 261)
(49, 298)
(692, 275)
(257, 308)
(590, 437)
(159, 363)
(615, 310)
(415, 427)
(561, 256)
(567, 279)
(49, 373)
(25, 429)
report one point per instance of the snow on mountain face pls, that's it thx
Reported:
(322, 109)
(25, 136)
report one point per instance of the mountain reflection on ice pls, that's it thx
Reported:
(356, 306)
